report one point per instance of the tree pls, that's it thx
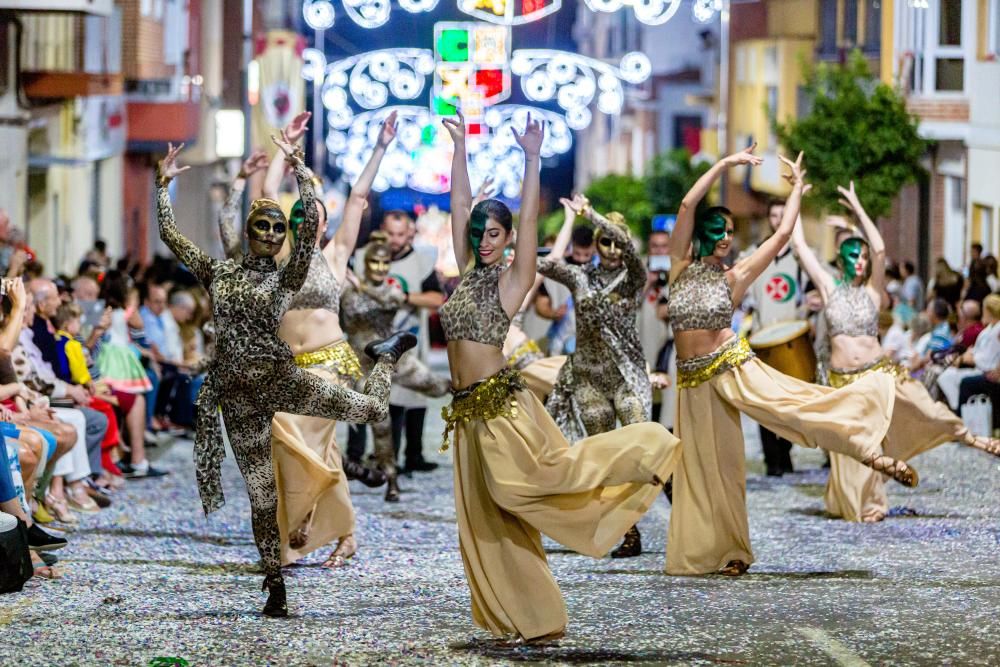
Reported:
(857, 129)
(670, 176)
(625, 194)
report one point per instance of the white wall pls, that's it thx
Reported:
(14, 140)
(984, 142)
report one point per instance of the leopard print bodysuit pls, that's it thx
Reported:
(253, 374)
(606, 376)
(367, 314)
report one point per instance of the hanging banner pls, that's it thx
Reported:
(276, 86)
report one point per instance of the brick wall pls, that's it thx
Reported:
(954, 111)
(937, 205)
(137, 202)
(901, 228)
(142, 44)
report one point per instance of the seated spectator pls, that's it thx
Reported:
(978, 360)
(174, 405)
(969, 325)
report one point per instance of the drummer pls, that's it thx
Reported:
(776, 296)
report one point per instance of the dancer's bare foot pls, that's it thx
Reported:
(300, 536)
(988, 445)
(346, 548)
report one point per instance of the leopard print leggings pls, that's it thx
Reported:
(598, 409)
(249, 426)
(412, 374)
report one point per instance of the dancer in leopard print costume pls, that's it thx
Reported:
(367, 311)
(253, 374)
(606, 376)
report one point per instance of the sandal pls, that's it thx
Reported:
(988, 445)
(81, 502)
(300, 536)
(60, 511)
(895, 468)
(42, 570)
(344, 552)
(734, 568)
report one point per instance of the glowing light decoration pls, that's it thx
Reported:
(320, 14)
(705, 10)
(574, 81)
(313, 64)
(472, 69)
(369, 78)
(650, 12)
(509, 12)
(420, 158)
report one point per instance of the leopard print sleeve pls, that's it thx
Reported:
(230, 213)
(293, 276)
(569, 275)
(190, 255)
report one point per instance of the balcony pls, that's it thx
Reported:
(151, 124)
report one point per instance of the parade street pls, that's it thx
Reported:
(922, 587)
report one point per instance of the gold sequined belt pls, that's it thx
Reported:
(489, 399)
(526, 352)
(731, 354)
(841, 377)
(340, 356)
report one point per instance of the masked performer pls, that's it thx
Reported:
(313, 506)
(919, 423)
(516, 476)
(368, 310)
(719, 377)
(253, 375)
(605, 378)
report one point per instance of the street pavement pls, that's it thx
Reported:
(153, 578)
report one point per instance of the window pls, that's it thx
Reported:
(850, 36)
(950, 23)
(945, 51)
(828, 27)
(873, 25)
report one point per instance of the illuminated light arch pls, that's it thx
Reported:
(509, 12)
(650, 12)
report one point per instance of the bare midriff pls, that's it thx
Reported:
(699, 342)
(310, 330)
(471, 362)
(850, 352)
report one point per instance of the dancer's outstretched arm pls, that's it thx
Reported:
(461, 192)
(517, 281)
(813, 268)
(680, 241)
(747, 270)
(293, 275)
(294, 131)
(341, 247)
(876, 246)
(230, 214)
(557, 251)
(190, 255)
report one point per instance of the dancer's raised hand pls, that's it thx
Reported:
(577, 204)
(745, 156)
(798, 174)
(256, 162)
(287, 146)
(168, 166)
(531, 140)
(296, 129)
(388, 131)
(456, 128)
(849, 197)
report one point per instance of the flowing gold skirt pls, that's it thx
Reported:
(516, 478)
(857, 493)
(309, 470)
(540, 376)
(708, 521)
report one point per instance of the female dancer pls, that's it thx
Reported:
(515, 475)
(606, 377)
(313, 506)
(919, 423)
(254, 374)
(368, 309)
(719, 377)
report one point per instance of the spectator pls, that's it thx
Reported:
(912, 292)
(990, 262)
(975, 255)
(977, 287)
(978, 360)
(946, 283)
(969, 325)
(174, 402)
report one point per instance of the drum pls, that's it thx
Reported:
(786, 347)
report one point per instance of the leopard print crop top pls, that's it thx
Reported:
(321, 289)
(473, 312)
(701, 298)
(850, 311)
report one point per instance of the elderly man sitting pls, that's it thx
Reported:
(175, 388)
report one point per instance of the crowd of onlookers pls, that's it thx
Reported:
(95, 368)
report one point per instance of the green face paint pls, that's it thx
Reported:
(847, 256)
(477, 227)
(296, 217)
(709, 232)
